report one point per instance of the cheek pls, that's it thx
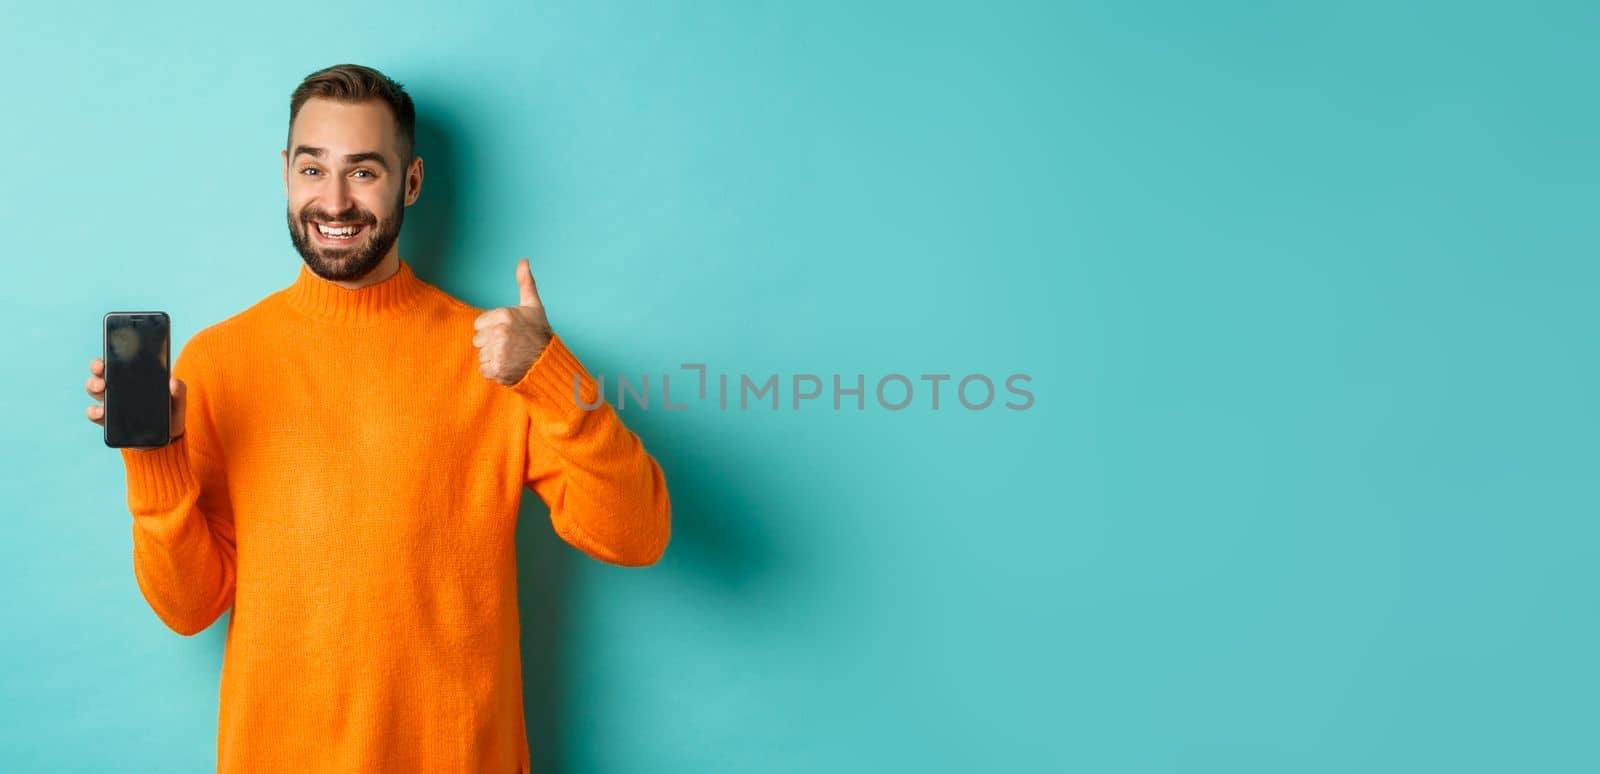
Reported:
(374, 202)
(381, 204)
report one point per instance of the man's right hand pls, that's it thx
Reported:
(96, 387)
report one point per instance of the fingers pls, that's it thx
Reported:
(499, 315)
(95, 385)
(526, 288)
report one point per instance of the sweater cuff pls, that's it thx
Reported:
(160, 478)
(548, 384)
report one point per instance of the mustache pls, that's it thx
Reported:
(348, 216)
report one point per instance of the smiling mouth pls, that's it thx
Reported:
(338, 233)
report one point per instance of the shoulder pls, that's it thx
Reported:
(455, 307)
(453, 314)
(210, 346)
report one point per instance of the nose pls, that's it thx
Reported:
(339, 200)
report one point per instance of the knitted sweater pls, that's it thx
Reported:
(348, 483)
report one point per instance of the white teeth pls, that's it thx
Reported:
(346, 231)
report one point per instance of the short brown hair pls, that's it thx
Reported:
(359, 83)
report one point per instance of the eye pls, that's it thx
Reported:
(362, 172)
(305, 170)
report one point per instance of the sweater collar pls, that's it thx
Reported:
(322, 300)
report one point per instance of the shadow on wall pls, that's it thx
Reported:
(717, 554)
(428, 233)
(717, 548)
(544, 577)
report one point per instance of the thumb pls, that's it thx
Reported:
(529, 291)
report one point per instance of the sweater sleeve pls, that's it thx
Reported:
(607, 495)
(183, 537)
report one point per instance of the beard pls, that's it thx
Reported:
(358, 259)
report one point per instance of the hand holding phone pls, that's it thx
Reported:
(143, 404)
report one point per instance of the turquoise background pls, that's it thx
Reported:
(1306, 293)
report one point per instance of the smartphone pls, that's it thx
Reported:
(138, 403)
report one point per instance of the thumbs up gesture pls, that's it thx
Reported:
(509, 339)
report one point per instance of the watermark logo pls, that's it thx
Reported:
(893, 392)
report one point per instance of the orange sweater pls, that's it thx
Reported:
(348, 482)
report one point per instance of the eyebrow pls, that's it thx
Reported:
(351, 158)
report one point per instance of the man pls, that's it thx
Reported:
(348, 458)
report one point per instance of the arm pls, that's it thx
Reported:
(183, 537)
(607, 495)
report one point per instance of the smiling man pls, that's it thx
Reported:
(348, 459)
(345, 227)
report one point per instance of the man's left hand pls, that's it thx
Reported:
(510, 339)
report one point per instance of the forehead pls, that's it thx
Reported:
(343, 126)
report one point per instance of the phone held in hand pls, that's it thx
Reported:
(138, 402)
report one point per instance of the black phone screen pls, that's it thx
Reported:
(138, 403)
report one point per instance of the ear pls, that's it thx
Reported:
(285, 155)
(414, 181)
